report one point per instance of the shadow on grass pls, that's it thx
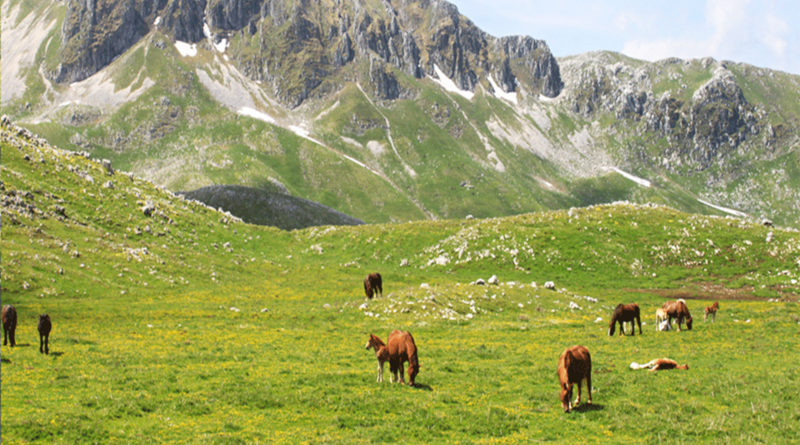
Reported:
(22, 345)
(5, 360)
(422, 386)
(56, 353)
(584, 407)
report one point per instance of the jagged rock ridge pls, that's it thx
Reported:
(299, 47)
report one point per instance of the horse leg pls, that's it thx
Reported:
(579, 384)
(47, 344)
(380, 371)
(402, 371)
(639, 321)
(589, 384)
(41, 343)
(5, 334)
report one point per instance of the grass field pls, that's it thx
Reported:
(224, 332)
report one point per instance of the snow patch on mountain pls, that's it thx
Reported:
(448, 85)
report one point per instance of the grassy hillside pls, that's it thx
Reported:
(191, 326)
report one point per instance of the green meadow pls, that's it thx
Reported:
(188, 326)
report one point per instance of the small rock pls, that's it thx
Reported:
(234, 309)
(550, 285)
(769, 237)
(573, 305)
(326, 306)
(148, 208)
(480, 282)
(404, 262)
(425, 286)
(598, 319)
(493, 280)
(264, 310)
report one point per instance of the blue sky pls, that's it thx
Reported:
(760, 32)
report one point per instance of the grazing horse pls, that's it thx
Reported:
(574, 365)
(373, 284)
(400, 348)
(9, 325)
(662, 320)
(678, 310)
(623, 313)
(659, 364)
(711, 310)
(44, 333)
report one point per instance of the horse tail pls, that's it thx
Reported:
(612, 325)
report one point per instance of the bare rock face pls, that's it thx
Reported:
(94, 32)
(701, 127)
(298, 47)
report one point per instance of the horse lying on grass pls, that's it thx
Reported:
(400, 347)
(659, 364)
(574, 365)
(623, 313)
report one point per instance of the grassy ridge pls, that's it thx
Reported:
(261, 340)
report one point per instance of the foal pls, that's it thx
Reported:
(662, 320)
(713, 311)
(660, 364)
(381, 353)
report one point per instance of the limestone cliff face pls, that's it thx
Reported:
(303, 48)
(702, 122)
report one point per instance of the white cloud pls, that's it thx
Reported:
(773, 35)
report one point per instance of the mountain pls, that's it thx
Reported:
(395, 110)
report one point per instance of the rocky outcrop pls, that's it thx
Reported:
(298, 47)
(94, 33)
(701, 128)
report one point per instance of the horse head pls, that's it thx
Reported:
(413, 370)
(566, 396)
(689, 323)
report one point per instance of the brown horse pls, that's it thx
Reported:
(381, 353)
(373, 284)
(712, 310)
(9, 325)
(44, 333)
(400, 348)
(660, 364)
(574, 365)
(677, 309)
(623, 313)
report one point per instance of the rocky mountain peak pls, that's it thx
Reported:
(298, 46)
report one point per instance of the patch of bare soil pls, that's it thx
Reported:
(710, 291)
